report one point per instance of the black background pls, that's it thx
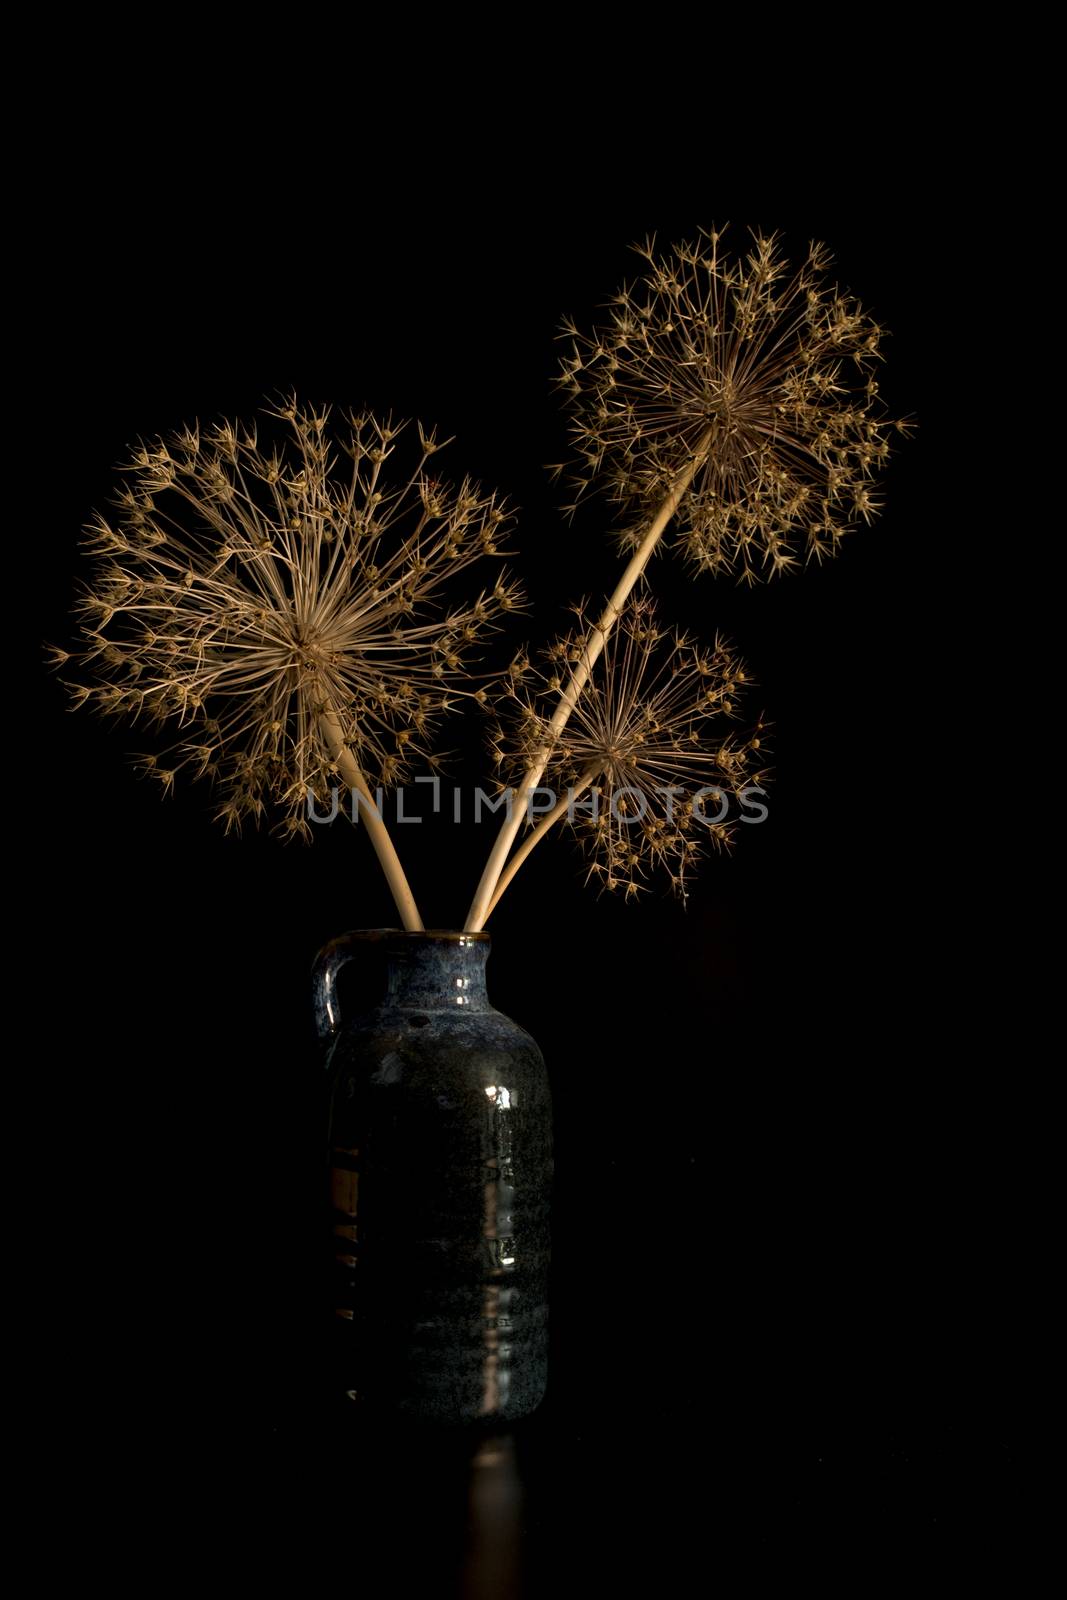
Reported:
(790, 1196)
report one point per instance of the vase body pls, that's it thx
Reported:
(439, 1185)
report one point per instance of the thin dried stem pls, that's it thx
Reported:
(548, 821)
(384, 849)
(598, 636)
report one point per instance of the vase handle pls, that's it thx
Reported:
(326, 969)
(328, 963)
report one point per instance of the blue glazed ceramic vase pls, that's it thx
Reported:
(439, 1175)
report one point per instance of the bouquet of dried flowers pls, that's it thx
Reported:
(286, 612)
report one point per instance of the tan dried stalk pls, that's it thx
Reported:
(380, 838)
(598, 637)
(547, 822)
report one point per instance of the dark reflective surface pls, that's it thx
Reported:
(662, 1486)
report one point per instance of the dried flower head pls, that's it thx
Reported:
(764, 373)
(654, 771)
(244, 592)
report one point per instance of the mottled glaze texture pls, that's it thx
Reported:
(440, 1172)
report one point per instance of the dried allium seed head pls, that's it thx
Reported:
(650, 734)
(765, 373)
(242, 592)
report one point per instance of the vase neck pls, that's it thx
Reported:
(437, 972)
